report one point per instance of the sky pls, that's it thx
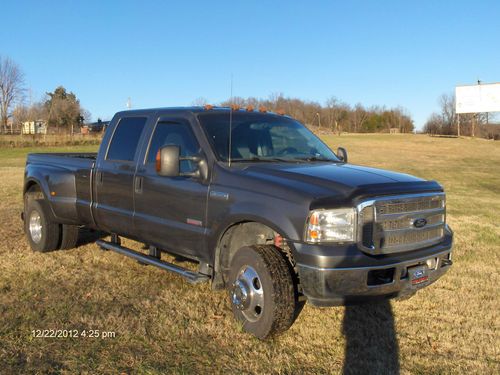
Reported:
(164, 53)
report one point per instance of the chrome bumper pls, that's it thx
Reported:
(344, 286)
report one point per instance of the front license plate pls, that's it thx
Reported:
(419, 275)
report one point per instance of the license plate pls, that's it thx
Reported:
(419, 275)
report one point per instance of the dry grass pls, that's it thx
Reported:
(54, 140)
(164, 325)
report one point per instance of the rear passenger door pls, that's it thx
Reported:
(114, 208)
(170, 211)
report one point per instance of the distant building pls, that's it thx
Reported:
(34, 127)
(98, 126)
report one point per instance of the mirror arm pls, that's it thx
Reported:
(195, 159)
(195, 174)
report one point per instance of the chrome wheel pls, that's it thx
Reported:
(35, 227)
(247, 294)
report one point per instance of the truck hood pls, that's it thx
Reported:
(338, 180)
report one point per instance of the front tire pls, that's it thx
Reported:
(43, 234)
(262, 291)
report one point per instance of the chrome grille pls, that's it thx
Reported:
(389, 224)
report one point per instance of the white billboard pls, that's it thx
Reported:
(478, 98)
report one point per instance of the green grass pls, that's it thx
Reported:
(16, 156)
(164, 325)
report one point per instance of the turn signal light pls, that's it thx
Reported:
(158, 162)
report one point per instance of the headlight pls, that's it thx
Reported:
(331, 225)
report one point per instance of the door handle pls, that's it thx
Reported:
(138, 185)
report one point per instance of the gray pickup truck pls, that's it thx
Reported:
(261, 205)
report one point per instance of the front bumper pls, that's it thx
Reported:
(332, 276)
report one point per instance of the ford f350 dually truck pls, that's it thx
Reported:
(261, 205)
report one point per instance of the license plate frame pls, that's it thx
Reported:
(418, 276)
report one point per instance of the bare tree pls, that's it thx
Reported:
(336, 113)
(11, 88)
(86, 115)
(447, 103)
(358, 116)
(199, 102)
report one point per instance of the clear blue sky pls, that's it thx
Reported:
(163, 53)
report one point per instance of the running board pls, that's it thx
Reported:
(190, 276)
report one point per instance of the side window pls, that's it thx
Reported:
(174, 133)
(123, 145)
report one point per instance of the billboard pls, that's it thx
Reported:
(478, 98)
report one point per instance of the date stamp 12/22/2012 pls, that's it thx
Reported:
(73, 333)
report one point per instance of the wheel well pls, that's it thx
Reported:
(246, 233)
(33, 190)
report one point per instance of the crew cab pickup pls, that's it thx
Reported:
(259, 203)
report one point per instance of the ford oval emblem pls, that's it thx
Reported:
(420, 223)
(418, 273)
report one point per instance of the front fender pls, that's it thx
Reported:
(282, 216)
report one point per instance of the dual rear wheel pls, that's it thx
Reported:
(43, 233)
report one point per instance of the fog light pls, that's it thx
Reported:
(432, 263)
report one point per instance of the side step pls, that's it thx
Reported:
(190, 276)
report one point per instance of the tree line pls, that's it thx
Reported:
(334, 115)
(59, 111)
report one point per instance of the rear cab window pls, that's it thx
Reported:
(125, 139)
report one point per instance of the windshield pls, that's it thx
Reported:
(263, 137)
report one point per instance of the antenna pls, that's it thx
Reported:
(230, 123)
(129, 103)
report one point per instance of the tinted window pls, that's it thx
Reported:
(262, 136)
(126, 138)
(172, 133)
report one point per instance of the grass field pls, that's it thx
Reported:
(161, 324)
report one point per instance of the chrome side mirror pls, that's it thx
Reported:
(168, 160)
(342, 154)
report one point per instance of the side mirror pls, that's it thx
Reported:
(342, 154)
(168, 160)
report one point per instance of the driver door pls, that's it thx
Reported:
(171, 211)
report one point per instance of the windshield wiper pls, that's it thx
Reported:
(315, 158)
(258, 159)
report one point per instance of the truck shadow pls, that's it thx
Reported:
(371, 342)
(86, 236)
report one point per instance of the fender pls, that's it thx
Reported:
(58, 180)
(268, 216)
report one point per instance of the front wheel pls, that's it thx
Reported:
(262, 290)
